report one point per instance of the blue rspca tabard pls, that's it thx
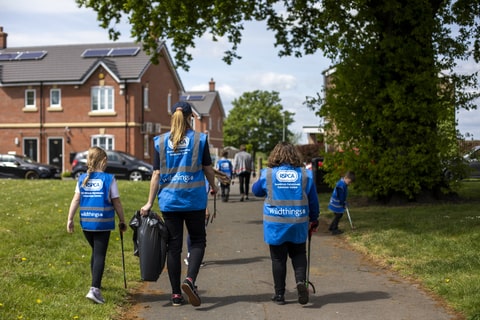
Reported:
(285, 210)
(96, 210)
(182, 181)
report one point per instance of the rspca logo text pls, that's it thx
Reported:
(286, 175)
(94, 185)
(181, 145)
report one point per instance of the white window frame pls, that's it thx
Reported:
(52, 93)
(103, 99)
(104, 141)
(29, 92)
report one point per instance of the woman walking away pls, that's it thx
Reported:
(96, 193)
(181, 164)
(290, 211)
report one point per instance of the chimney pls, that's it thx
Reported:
(211, 85)
(3, 39)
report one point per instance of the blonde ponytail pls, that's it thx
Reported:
(179, 126)
(96, 161)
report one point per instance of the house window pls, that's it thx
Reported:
(105, 142)
(30, 98)
(146, 145)
(102, 99)
(55, 98)
(145, 98)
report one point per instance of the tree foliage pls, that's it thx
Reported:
(257, 119)
(395, 87)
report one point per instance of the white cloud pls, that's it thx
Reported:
(272, 81)
(39, 7)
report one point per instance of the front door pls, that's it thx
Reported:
(55, 152)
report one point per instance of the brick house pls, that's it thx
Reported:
(59, 100)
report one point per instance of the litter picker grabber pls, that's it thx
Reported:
(123, 261)
(214, 215)
(349, 218)
(308, 283)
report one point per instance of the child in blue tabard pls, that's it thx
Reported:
(338, 201)
(96, 193)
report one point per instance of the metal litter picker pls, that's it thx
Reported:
(349, 218)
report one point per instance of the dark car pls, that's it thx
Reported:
(121, 164)
(23, 167)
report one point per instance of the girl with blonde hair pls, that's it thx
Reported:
(96, 193)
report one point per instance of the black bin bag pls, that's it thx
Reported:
(150, 237)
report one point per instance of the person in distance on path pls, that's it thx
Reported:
(224, 165)
(290, 211)
(243, 167)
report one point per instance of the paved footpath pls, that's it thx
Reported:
(236, 282)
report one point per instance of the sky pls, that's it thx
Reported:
(58, 22)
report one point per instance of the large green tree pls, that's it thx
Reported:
(257, 119)
(395, 81)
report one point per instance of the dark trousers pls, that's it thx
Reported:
(335, 221)
(195, 223)
(244, 181)
(279, 255)
(225, 191)
(98, 240)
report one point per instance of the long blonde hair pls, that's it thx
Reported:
(96, 161)
(180, 122)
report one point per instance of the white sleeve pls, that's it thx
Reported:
(114, 190)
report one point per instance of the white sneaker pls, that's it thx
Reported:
(95, 295)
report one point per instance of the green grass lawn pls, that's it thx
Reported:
(45, 271)
(436, 244)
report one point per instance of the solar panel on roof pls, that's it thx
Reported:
(95, 53)
(119, 52)
(34, 55)
(195, 98)
(192, 98)
(8, 56)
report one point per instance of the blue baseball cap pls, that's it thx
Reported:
(182, 105)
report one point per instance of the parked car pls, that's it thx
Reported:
(23, 167)
(119, 163)
(473, 160)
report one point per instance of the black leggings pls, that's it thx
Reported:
(98, 240)
(195, 223)
(279, 254)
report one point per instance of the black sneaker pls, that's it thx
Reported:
(279, 299)
(177, 300)
(302, 293)
(191, 292)
(337, 231)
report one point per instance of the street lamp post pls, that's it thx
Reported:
(283, 137)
